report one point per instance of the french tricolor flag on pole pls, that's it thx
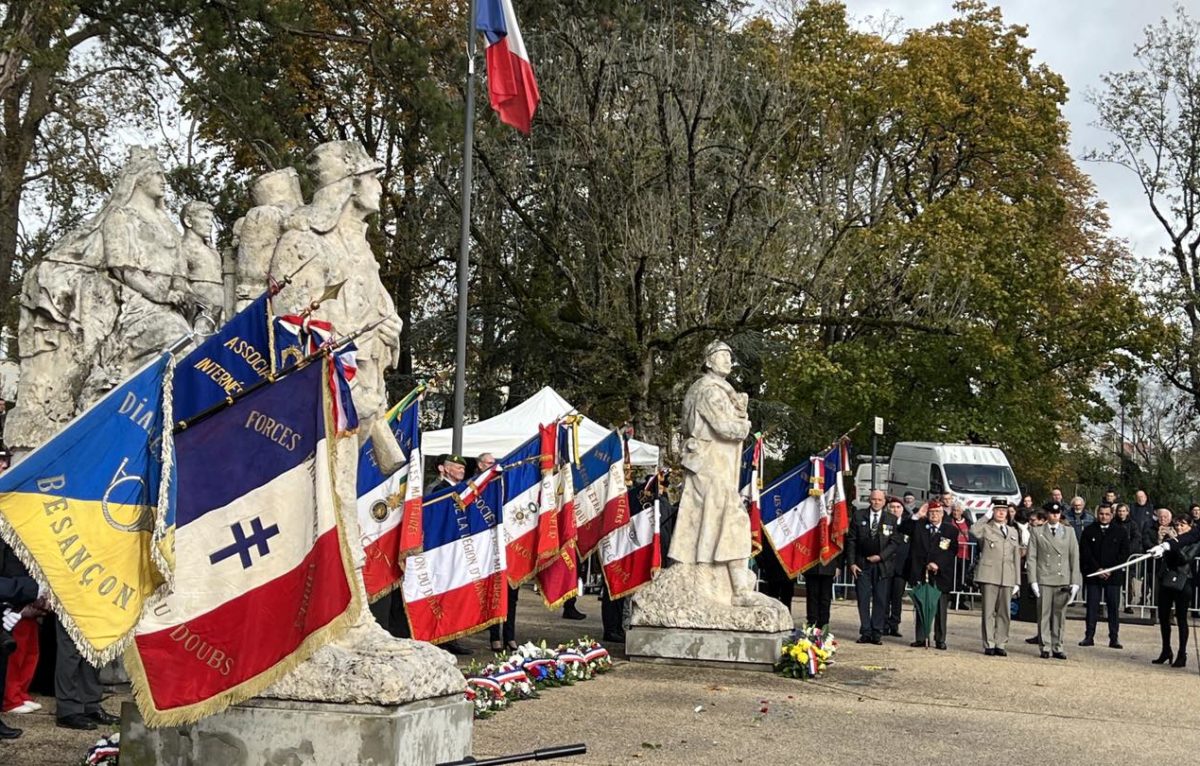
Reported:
(601, 502)
(455, 586)
(512, 88)
(261, 581)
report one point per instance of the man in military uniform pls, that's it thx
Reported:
(870, 560)
(451, 470)
(1053, 567)
(998, 574)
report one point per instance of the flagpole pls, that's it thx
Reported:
(464, 242)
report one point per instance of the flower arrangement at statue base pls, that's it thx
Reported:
(104, 753)
(807, 653)
(532, 667)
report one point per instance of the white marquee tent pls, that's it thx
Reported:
(508, 430)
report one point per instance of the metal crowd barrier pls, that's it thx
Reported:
(1138, 596)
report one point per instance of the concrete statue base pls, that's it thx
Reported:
(686, 616)
(694, 646)
(277, 732)
(700, 596)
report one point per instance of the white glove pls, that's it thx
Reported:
(1034, 587)
(1158, 550)
(1016, 591)
(987, 515)
(1074, 593)
(10, 619)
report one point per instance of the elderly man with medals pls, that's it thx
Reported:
(997, 573)
(932, 546)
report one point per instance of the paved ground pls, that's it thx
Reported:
(888, 704)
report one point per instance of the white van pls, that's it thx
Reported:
(975, 473)
(862, 481)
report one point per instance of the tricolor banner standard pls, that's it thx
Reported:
(751, 485)
(262, 565)
(456, 585)
(601, 500)
(79, 511)
(530, 528)
(800, 517)
(631, 552)
(559, 579)
(223, 367)
(389, 507)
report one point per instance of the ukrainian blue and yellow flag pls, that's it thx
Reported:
(80, 511)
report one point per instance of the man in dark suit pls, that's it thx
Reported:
(900, 542)
(932, 547)
(869, 557)
(1103, 545)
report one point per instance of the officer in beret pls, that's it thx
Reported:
(933, 544)
(451, 470)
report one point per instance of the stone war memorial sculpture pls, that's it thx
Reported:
(128, 284)
(105, 299)
(703, 607)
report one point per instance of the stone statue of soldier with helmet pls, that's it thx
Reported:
(704, 607)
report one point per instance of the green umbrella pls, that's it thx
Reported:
(925, 596)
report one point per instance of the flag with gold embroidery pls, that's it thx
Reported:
(80, 511)
(456, 584)
(262, 567)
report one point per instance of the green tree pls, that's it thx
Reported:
(1153, 115)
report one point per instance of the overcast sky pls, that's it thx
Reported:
(1081, 40)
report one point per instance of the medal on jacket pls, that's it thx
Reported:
(944, 544)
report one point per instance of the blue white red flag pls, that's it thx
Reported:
(559, 580)
(631, 552)
(262, 566)
(389, 507)
(528, 518)
(837, 506)
(512, 88)
(601, 502)
(297, 337)
(751, 485)
(798, 524)
(456, 585)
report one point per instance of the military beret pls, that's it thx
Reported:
(457, 459)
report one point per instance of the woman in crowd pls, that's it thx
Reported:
(1025, 509)
(1175, 588)
(1194, 513)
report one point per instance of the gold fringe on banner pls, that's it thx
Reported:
(332, 631)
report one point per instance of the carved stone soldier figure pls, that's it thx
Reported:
(203, 262)
(712, 525)
(276, 196)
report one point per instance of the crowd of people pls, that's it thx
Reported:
(1027, 560)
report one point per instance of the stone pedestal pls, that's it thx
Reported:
(686, 616)
(695, 646)
(278, 732)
